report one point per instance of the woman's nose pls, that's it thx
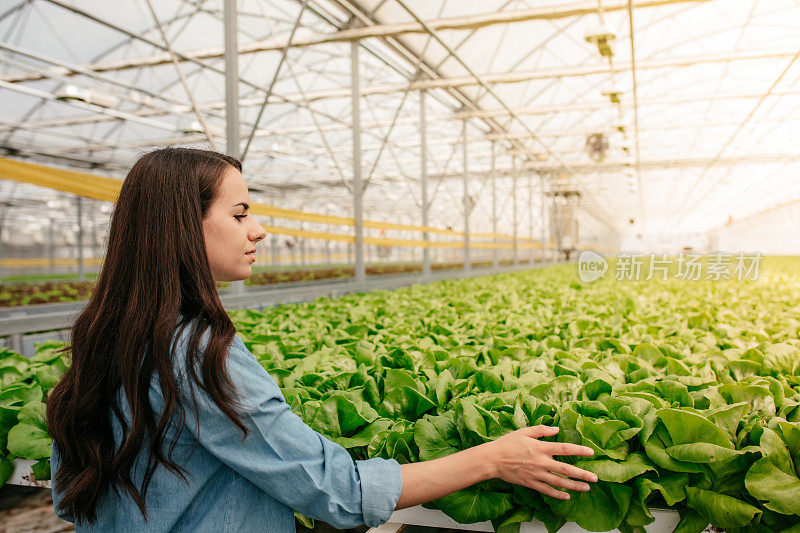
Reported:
(258, 234)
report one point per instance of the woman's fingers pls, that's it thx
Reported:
(573, 471)
(564, 483)
(565, 448)
(548, 490)
(537, 432)
(534, 460)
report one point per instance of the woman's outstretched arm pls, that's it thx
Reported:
(518, 458)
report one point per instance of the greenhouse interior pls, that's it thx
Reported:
(460, 224)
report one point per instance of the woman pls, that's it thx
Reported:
(165, 421)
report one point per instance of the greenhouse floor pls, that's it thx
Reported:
(29, 509)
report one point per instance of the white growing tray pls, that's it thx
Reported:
(665, 522)
(23, 475)
(417, 516)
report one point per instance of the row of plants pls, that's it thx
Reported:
(271, 277)
(12, 295)
(33, 293)
(688, 392)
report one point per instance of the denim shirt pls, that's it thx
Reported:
(252, 484)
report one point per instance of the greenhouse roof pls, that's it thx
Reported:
(703, 136)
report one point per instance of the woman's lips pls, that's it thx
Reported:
(252, 256)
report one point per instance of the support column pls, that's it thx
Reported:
(423, 154)
(328, 253)
(514, 176)
(51, 252)
(544, 235)
(555, 233)
(93, 240)
(493, 177)
(302, 246)
(79, 205)
(232, 132)
(358, 190)
(530, 216)
(467, 207)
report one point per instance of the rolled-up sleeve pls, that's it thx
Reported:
(287, 459)
(381, 484)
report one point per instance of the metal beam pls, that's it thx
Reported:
(575, 156)
(79, 205)
(232, 131)
(489, 91)
(179, 70)
(610, 166)
(555, 224)
(520, 76)
(233, 134)
(423, 164)
(514, 221)
(354, 34)
(565, 132)
(689, 202)
(271, 86)
(287, 176)
(135, 94)
(636, 116)
(414, 58)
(358, 190)
(421, 65)
(136, 37)
(493, 177)
(596, 105)
(466, 199)
(298, 99)
(542, 214)
(530, 213)
(494, 78)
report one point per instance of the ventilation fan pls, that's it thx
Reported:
(596, 146)
(470, 201)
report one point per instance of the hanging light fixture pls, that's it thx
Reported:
(613, 93)
(602, 37)
(89, 96)
(192, 126)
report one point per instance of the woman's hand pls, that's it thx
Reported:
(520, 458)
(516, 457)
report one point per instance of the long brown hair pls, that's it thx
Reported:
(155, 280)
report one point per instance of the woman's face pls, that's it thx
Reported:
(229, 231)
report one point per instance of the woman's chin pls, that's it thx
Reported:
(238, 276)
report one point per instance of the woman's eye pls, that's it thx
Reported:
(239, 217)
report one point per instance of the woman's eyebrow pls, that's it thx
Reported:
(243, 204)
